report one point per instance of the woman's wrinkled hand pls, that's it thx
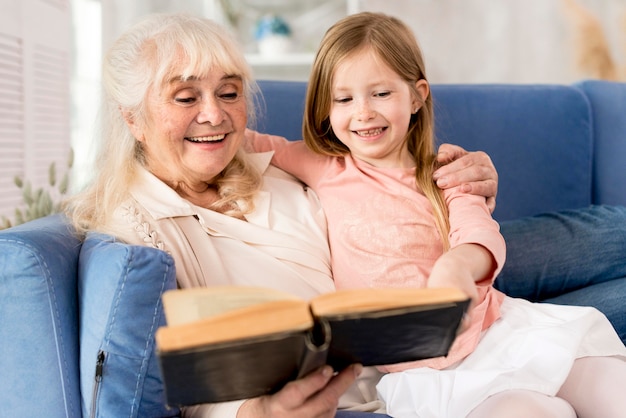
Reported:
(313, 396)
(474, 172)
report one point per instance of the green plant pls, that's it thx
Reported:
(42, 201)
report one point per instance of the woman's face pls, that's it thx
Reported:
(192, 128)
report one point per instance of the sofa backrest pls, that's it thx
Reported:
(608, 110)
(539, 137)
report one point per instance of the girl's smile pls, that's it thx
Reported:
(370, 133)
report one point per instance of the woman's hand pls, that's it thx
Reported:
(473, 171)
(313, 396)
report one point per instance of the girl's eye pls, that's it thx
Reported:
(383, 94)
(342, 99)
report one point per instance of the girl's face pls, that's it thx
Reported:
(192, 128)
(371, 110)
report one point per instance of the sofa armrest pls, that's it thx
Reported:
(38, 307)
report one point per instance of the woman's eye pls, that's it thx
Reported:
(230, 96)
(185, 100)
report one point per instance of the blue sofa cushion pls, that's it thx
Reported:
(38, 310)
(120, 288)
(538, 136)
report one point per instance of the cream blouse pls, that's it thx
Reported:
(282, 245)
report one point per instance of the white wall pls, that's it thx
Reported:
(465, 41)
(509, 41)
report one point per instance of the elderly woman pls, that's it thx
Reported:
(172, 174)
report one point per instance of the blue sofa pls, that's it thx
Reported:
(78, 316)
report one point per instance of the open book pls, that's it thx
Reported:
(231, 342)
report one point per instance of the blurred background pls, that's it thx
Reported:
(518, 41)
(50, 58)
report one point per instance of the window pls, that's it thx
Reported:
(35, 70)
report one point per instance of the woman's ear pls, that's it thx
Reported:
(423, 90)
(133, 125)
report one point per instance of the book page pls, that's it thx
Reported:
(371, 299)
(188, 305)
(252, 321)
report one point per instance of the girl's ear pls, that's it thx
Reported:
(423, 90)
(133, 125)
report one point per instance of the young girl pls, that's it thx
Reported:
(368, 152)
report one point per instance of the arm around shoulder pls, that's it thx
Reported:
(474, 172)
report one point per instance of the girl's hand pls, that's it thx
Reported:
(450, 271)
(313, 396)
(462, 267)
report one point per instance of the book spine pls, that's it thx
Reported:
(316, 349)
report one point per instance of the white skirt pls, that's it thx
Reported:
(532, 346)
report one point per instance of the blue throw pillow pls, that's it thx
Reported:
(120, 288)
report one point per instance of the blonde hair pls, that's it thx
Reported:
(394, 43)
(143, 58)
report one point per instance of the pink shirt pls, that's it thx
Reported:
(382, 231)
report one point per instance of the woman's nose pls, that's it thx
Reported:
(211, 112)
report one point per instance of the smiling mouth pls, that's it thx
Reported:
(205, 139)
(370, 132)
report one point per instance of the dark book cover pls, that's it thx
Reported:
(261, 365)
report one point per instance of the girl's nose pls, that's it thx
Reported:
(211, 112)
(365, 111)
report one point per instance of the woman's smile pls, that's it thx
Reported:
(206, 139)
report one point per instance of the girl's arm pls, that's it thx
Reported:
(477, 249)
(292, 156)
(462, 267)
(258, 142)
